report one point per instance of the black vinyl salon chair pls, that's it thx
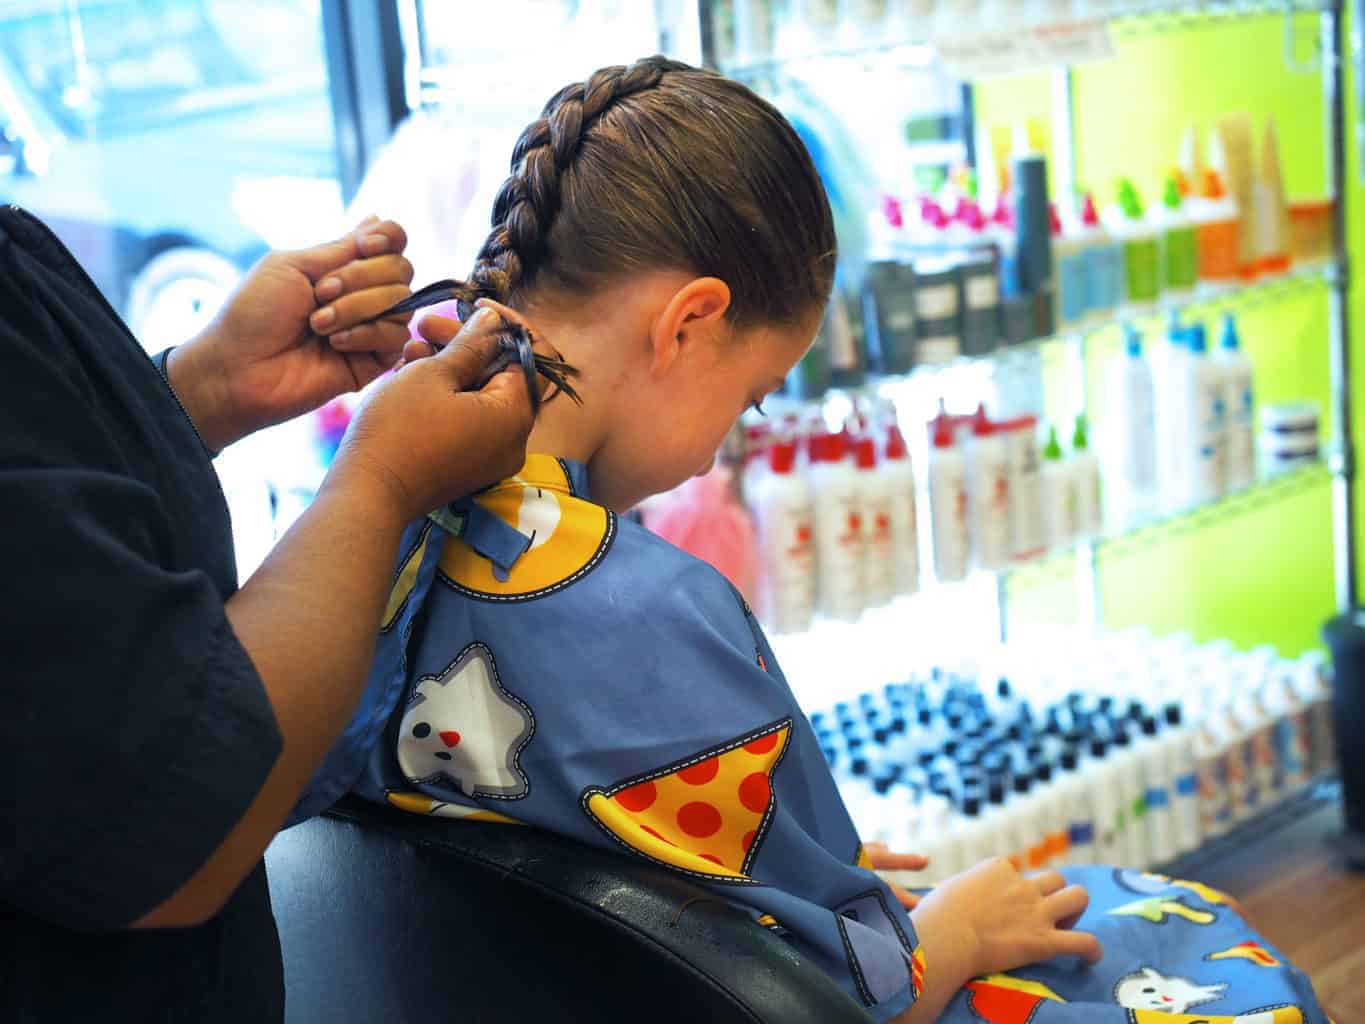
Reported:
(388, 918)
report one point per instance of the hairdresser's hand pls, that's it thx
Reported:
(423, 438)
(882, 859)
(287, 341)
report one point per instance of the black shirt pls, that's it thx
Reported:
(135, 731)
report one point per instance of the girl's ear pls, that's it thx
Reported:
(694, 314)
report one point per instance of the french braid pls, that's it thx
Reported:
(529, 199)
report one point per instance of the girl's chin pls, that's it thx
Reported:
(710, 465)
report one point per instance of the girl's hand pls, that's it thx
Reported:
(288, 339)
(884, 860)
(1012, 919)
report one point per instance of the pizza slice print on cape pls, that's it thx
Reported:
(568, 537)
(706, 815)
(464, 730)
(1001, 999)
(1249, 950)
(1270, 1015)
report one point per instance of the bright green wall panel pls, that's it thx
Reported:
(1257, 572)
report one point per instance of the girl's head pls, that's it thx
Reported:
(666, 231)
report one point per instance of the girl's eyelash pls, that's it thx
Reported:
(758, 407)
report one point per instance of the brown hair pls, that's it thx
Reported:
(661, 165)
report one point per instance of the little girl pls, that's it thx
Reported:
(544, 661)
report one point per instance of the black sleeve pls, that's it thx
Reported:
(135, 731)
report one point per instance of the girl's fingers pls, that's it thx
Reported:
(1067, 905)
(907, 899)
(359, 275)
(416, 349)
(883, 858)
(1049, 882)
(438, 331)
(1081, 944)
(349, 310)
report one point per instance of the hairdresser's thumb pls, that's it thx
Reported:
(466, 359)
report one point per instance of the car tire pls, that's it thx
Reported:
(176, 293)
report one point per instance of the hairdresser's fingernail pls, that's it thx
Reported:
(373, 245)
(340, 338)
(328, 289)
(323, 319)
(484, 317)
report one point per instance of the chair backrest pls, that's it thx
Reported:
(388, 918)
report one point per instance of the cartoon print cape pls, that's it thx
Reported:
(1175, 952)
(542, 662)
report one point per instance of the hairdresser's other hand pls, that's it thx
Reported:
(288, 339)
(423, 438)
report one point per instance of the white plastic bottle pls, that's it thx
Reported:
(1158, 811)
(1238, 404)
(1027, 538)
(1132, 799)
(904, 519)
(988, 492)
(1078, 810)
(1102, 773)
(836, 502)
(1200, 412)
(1059, 496)
(1130, 442)
(781, 504)
(948, 501)
(1085, 473)
(1178, 740)
(879, 563)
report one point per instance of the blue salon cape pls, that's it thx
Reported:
(543, 662)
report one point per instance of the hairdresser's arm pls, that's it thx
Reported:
(290, 337)
(308, 617)
(990, 919)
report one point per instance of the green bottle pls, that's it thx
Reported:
(1180, 246)
(1141, 249)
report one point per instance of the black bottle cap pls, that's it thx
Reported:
(855, 743)
(950, 746)
(1121, 736)
(1098, 748)
(1022, 783)
(995, 791)
(1070, 759)
(859, 766)
(1042, 772)
(1173, 714)
(899, 725)
(924, 716)
(971, 805)
(1149, 726)
(816, 717)
(883, 785)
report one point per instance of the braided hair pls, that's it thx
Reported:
(660, 165)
